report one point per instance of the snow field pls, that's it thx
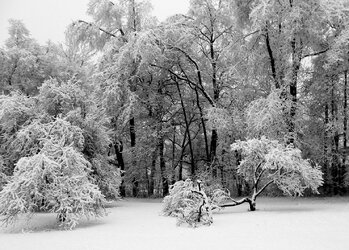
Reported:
(279, 223)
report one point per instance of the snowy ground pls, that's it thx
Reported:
(279, 223)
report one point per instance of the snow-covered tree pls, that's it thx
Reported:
(188, 202)
(265, 162)
(56, 178)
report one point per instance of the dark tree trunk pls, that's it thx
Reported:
(164, 180)
(334, 144)
(213, 147)
(135, 188)
(118, 147)
(252, 204)
(271, 59)
(132, 132)
(135, 183)
(203, 125)
(216, 92)
(180, 171)
(326, 167)
(237, 177)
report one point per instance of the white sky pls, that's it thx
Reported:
(47, 19)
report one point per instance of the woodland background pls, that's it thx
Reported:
(160, 102)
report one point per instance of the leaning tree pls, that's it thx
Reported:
(264, 162)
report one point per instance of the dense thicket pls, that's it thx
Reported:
(162, 102)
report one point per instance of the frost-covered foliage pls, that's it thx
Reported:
(55, 177)
(266, 116)
(55, 180)
(270, 117)
(97, 140)
(107, 176)
(15, 110)
(268, 161)
(62, 112)
(30, 139)
(188, 202)
(61, 97)
(218, 118)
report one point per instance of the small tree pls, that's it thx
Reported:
(55, 180)
(267, 162)
(188, 202)
(56, 177)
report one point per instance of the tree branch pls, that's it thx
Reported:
(103, 30)
(263, 188)
(315, 53)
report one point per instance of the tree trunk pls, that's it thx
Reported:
(237, 177)
(118, 147)
(326, 167)
(296, 62)
(213, 147)
(271, 59)
(180, 161)
(164, 180)
(132, 132)
(135, 183)
(252, 204)
(335, 143)
(203, 125)
(214, 134)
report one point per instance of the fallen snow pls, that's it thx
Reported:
(279, 223)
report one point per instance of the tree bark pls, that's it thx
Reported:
(135, 183)
(326, 167)
(118, 147)
(164, 180)
(203, 125)
(271, 59)
(334, 144)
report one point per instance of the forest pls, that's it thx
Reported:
(238, 96)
